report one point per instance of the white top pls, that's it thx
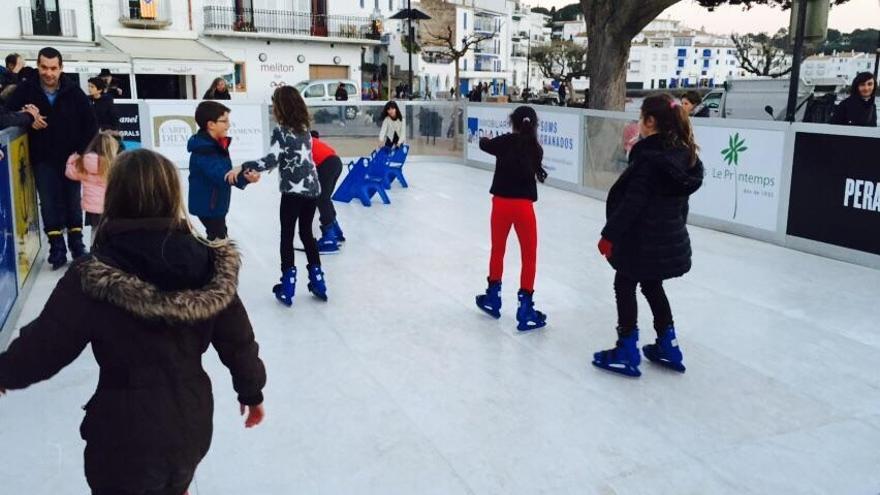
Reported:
(389, 127)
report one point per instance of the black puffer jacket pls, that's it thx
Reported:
(647, 212)
(150, 301)
(856, 111)
(72, 123)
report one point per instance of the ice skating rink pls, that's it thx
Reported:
(399, 385)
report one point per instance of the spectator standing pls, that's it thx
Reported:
(68, 128)
(219, 90)
(860, 108)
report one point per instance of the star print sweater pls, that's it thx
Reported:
(291, 153)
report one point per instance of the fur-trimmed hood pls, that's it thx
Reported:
(160, 273)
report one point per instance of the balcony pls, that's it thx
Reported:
(133, 15)
(231, 21)
(487, 49)
(485, 25)
(42, 22)
(519, 52)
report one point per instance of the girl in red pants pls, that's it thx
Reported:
(518, 157)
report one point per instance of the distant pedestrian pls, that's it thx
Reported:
(219, 90)
(860, 108)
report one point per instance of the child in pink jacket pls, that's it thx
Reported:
(92, 169)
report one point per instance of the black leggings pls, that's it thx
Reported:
(627, 307)
(295, 208)
(328, 174)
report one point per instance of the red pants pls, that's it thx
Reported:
(519, 214)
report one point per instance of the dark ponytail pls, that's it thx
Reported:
(673, 123)
(524, 122)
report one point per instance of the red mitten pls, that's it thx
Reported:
(605, 247)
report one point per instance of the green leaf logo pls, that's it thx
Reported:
(735, 146)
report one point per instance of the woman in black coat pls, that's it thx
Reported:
(150, 300)
(860, 109)
(218, 90)
(645, 238)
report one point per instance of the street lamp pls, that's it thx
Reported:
(410, 14)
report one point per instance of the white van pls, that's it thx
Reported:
(756, 98)
(324, 90)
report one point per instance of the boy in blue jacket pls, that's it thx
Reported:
(211, 175)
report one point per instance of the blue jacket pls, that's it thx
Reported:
(209, 193)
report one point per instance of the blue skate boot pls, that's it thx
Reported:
(527, 317)
(665, 351)
(328, 243)
(338, 231)
(285, 291)
(490, 302)
(623, 359)
(317, 285)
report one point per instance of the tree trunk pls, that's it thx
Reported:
(611, 26)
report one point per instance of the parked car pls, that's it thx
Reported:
(321, 91)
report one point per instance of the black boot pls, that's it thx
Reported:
(57, 250)
(75, 243)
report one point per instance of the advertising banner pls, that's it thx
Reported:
(743, 173)
(129, 124)
(173, 123)
(835, 191)
(8, 287)
(27, 213)
(558, 132)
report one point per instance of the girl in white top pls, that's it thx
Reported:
(393, 131)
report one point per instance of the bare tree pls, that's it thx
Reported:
(759, 55)
(456, 50)
(561, 60)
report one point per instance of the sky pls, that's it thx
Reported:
(848, 17)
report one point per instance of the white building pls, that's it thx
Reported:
(529, 30)
(668, 55)
(839, 67)
(152, 49)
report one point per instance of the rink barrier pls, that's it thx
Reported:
(750, 165)
(810, 187)
(20, 241)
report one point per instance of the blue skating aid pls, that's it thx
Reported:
(490, 302)
(527, 317)
(665, 352)
(623, 359)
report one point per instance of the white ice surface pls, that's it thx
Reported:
(399, 385)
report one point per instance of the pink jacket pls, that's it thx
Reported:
(94, 186)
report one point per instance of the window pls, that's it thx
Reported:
(391, 5)
(239, 77)
(465, 21)
(465, 62)
(681, 62)
(362, 4)
(706, 63)
(315, 91)
(682, 52)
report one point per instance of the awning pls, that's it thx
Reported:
(80, 58)
(172, 56)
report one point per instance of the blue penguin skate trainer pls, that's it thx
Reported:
(317, 285)
(527, 317)
(490, 302)
(623, 359)
(285, 291)
(665, 351)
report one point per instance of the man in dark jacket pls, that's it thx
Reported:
(71, 125)
(860, 108)
(111, 87)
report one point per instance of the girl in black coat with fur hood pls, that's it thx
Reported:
(150, 300)
(645, 238)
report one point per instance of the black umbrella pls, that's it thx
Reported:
(413, 14)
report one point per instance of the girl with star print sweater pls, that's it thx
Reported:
(291, 153)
